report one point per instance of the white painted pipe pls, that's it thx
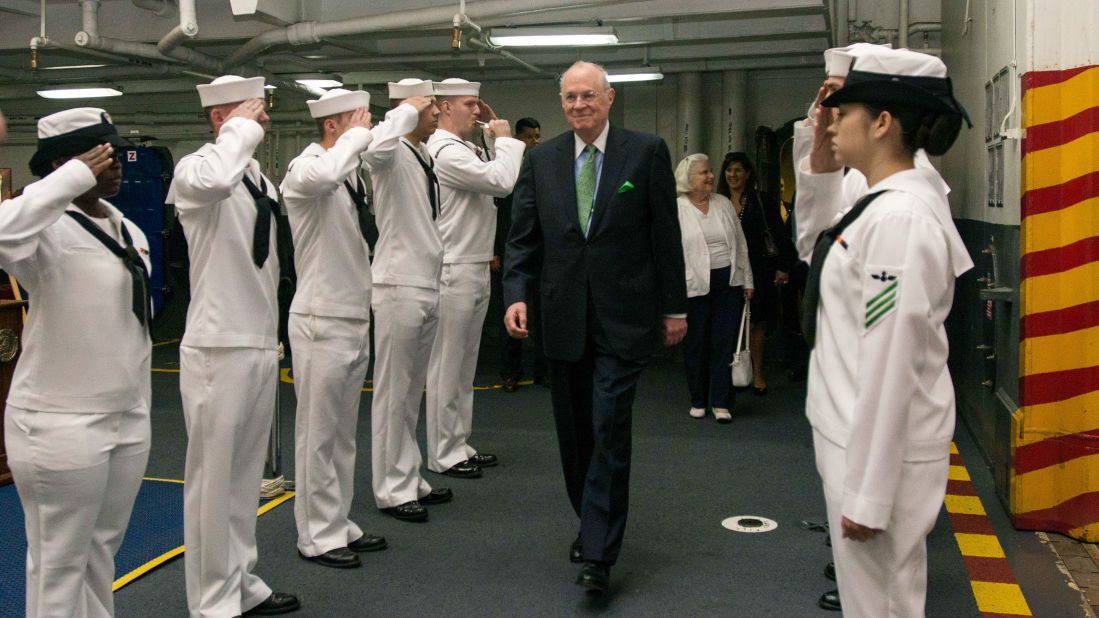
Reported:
(187, 28)
(689, 114)
(734, 98)
(503, 53)
(841, 23)
(902, 26)
(89, 16)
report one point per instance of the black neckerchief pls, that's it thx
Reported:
(131, 259)
(432, 181)
(358, 196)
(265, 208)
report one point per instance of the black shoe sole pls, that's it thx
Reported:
(414, 519)
(332, 565)
(369, 548)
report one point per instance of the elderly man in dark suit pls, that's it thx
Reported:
(594, 222)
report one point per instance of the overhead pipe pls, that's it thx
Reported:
(311, 32)
(842, 29)
(503, 53)
(902, 27)
(187, 28)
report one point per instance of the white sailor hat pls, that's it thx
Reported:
(837, 61)
(230, 89)
(338, 101)
(72, 132)
(456, 87)
(410, 87)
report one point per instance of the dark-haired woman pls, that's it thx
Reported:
(770, 251)
(881, 284)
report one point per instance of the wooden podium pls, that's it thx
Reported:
(11, 336)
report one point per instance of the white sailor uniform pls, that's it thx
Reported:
(467, 224)
(329, 329)
(406, 269)
(880, 397)
(76, 426)
(228, 368)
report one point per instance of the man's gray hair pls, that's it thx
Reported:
(603, 79)
(684, 170)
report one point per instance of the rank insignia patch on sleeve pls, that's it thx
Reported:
(881, 290)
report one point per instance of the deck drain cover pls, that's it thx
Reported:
(749, 524)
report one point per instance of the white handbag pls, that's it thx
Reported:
(742, 357)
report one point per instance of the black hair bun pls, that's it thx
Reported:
(937, 133)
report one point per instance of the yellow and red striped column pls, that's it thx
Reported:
(1056, 434)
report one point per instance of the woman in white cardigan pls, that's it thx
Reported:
(719, 280)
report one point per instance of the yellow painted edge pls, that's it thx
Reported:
(964, 505)
(1057, 165)
(1061, 290)
(979, 545)
(1063, 100)
(1075, 350)
(1088, 533)
(954, 449)
(1060, 228)
(958, 473)
(1047, 487)
(999, 598)
(1058, 418)
(159, 370)
(273, 502)
(153, 478)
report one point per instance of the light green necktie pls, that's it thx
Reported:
(585, 188)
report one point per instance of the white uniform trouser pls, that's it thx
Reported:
(463, 302)
(887, 575)
(330, 361)
(228, 402)
(77, 476)
(405, 319)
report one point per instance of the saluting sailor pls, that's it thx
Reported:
(329, 325)
(880, 287)
(228, 356)
(468, 182)
(407, 264)
(76, 429)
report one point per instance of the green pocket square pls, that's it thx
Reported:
(626, 186)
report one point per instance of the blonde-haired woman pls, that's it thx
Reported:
(719, 280)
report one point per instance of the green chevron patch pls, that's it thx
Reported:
(882, 303)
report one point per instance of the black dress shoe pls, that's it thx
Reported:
(339, 558)
(409, 511)
(510, 385)
(484, 460)
(437, 496)
(277, 603)
(595, 576)
(759, 391)
(574, 550)
(368, 542)
(830, 571)
(463, 470)
(830, 600)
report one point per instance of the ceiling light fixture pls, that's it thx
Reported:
(79, 93)
(73, 66)
(634, 74)
(553, 37)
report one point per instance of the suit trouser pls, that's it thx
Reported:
(887, 575)
(405, 319)
(228, 401)
(463, 302)
(77, 476)
(511, 350)
(330, 357)
(593, 411)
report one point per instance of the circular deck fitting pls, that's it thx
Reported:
(749, 524)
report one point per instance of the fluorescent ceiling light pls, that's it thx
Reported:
(552, 37)
(270, 87)
(639, 74)
(74, 66)
(79, 93)
(320, 83)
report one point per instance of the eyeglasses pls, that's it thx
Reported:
(587, 96)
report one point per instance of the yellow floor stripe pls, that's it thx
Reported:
(1062, 100)
(999, 598)
(958, 473)
(159, 370)
(1061, 290)
(979, 545)
(964, 505)
(1046, 488)
(165, 342)
(1054, 166)
(1075, 350)
(284, 375)
(1058, 418)
(153, 478)
(954, 449)
(1060, 228)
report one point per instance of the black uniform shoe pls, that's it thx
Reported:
(463, 470)
(409, 511)
(368, 542)
(277, 603)
(574, 550)
(437, 496)
(339, 558)
(484, 460)
(830, 600)
(830, 571)
(595, 576)
(510, 385)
